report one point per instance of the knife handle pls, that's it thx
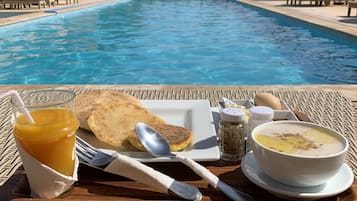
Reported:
(200, 170)
(213, 180)
(233, 193)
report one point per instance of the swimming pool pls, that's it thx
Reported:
(199, 42)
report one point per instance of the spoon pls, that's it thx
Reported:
(157, 145)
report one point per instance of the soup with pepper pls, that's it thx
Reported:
(299, 140)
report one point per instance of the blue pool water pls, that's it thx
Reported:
(219, 42)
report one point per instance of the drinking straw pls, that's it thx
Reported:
(20, 103)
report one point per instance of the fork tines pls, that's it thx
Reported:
(84, 149)
(89, 154)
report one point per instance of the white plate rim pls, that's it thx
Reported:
(249, 157)
(202, 125)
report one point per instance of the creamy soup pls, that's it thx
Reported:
(299, 140)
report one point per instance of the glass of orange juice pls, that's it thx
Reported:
(51, 138)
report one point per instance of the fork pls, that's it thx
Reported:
(130, 168)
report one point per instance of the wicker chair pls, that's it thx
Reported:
(351, 4)
(19, 4)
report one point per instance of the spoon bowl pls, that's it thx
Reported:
(153, 141)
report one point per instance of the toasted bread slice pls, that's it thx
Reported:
(113, 121)
(178, 137)
(88, 101)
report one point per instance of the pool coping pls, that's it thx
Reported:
(325, 23)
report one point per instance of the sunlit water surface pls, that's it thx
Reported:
(174, 42)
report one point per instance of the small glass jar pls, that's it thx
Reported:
(231, 134)
(257, 116)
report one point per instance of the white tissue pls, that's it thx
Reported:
(44, 181)
(137, 171)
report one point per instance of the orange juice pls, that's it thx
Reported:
(51, 139)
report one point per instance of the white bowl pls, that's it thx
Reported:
(295, 169)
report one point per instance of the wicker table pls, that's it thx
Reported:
(331, 109)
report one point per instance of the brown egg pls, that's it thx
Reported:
(267, 99)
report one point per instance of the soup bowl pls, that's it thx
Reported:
(298, 153)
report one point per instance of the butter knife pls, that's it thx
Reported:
(130, 168)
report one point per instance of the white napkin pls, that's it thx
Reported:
(45, 182)
(133, 169)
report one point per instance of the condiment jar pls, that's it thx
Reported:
(231, 134)
(257, 115)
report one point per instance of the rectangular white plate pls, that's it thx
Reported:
(195, 115)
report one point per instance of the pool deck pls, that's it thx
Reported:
(20, 15)
(332, 16)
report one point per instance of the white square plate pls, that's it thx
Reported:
(195, 115)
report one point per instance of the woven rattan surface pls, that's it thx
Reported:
(330, 109)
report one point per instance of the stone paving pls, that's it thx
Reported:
(10, 16)
(333, 16)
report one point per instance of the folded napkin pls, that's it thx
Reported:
(130, 168)
(44, 181)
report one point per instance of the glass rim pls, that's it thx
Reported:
(71, 94)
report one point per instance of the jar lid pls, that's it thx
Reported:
(261, 113)
(232, 115)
